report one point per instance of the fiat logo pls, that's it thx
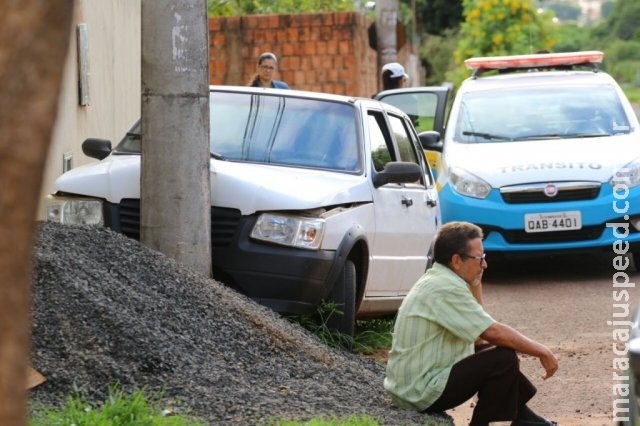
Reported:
(550, 190)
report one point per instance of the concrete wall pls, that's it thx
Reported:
(114, 83)
(324, 52)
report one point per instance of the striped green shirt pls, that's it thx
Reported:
(436, 326)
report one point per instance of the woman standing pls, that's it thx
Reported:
(267, 65)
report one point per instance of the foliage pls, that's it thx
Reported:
(136, 409)
(259, 7)
(607, 7)
(621, 23)
(317, 324)
(632, 92)
(369, 337)
(501, 27)
(435, 52)
(619, 38)
(564, 11)
(437, 16)
(572, 38)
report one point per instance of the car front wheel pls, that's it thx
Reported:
(344, 297)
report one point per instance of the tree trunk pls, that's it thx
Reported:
(34, 38)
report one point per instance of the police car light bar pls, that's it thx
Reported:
(537, 60)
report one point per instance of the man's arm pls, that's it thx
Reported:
(503, 335)
(476, 291)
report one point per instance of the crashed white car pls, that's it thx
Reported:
(314, 197)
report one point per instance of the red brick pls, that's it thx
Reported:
(320, 52)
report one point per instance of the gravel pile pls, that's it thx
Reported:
(108, 310)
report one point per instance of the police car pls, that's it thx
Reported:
(543, 152)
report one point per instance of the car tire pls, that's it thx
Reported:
(344, 296)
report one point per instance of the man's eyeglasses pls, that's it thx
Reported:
(267, 67)
(479, 258)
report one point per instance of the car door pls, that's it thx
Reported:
(406, 215)
(427, 108)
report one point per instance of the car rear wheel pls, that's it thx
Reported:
(344, 297)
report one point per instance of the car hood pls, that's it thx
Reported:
(511, 163)
(247, 187)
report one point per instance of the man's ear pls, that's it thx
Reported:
(456, 262)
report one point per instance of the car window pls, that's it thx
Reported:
(381, 146)
(525, 113)
(420, 107)
(131, 141)
(285, 130)
(406, 143)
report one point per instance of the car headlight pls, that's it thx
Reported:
(467, 184)
(75, 211)
(296, 231)
(628, 175)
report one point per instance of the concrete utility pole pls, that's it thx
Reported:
(34, 39)
(175, 190)
(386, 23)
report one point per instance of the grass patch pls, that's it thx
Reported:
(138, 408)
(369, 337)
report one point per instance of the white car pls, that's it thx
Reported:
(314, 197)
(542, 151)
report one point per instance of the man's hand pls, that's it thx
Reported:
(549, 363)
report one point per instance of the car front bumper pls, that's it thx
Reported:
(504, 224)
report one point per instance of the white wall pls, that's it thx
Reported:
(114, 84)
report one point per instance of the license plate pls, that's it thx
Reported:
(552, 222)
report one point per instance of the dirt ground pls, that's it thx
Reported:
(565, 303)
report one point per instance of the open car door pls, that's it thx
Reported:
(427, 107)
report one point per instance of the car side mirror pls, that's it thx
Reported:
(430, 140)
(397, 172)
(96, 148)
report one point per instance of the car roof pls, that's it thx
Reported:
(538, 78)
(303, 94)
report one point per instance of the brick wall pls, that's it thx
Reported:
(322, 52)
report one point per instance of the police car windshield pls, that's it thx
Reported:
(528, 113)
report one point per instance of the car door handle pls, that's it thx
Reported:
(431, 202)
(407, 201)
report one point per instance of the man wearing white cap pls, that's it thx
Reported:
(393, 76)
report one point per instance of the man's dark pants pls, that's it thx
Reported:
(494, 374)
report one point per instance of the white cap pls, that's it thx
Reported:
(396, 69)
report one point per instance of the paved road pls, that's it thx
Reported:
(564, 302)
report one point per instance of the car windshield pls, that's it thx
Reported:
(277, 129)
(530, 113)
(267, 128)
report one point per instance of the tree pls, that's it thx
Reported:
(623, 21)
(437, 16)
(619, 37)
(564, 11)
(34, 38)
(501, 27)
